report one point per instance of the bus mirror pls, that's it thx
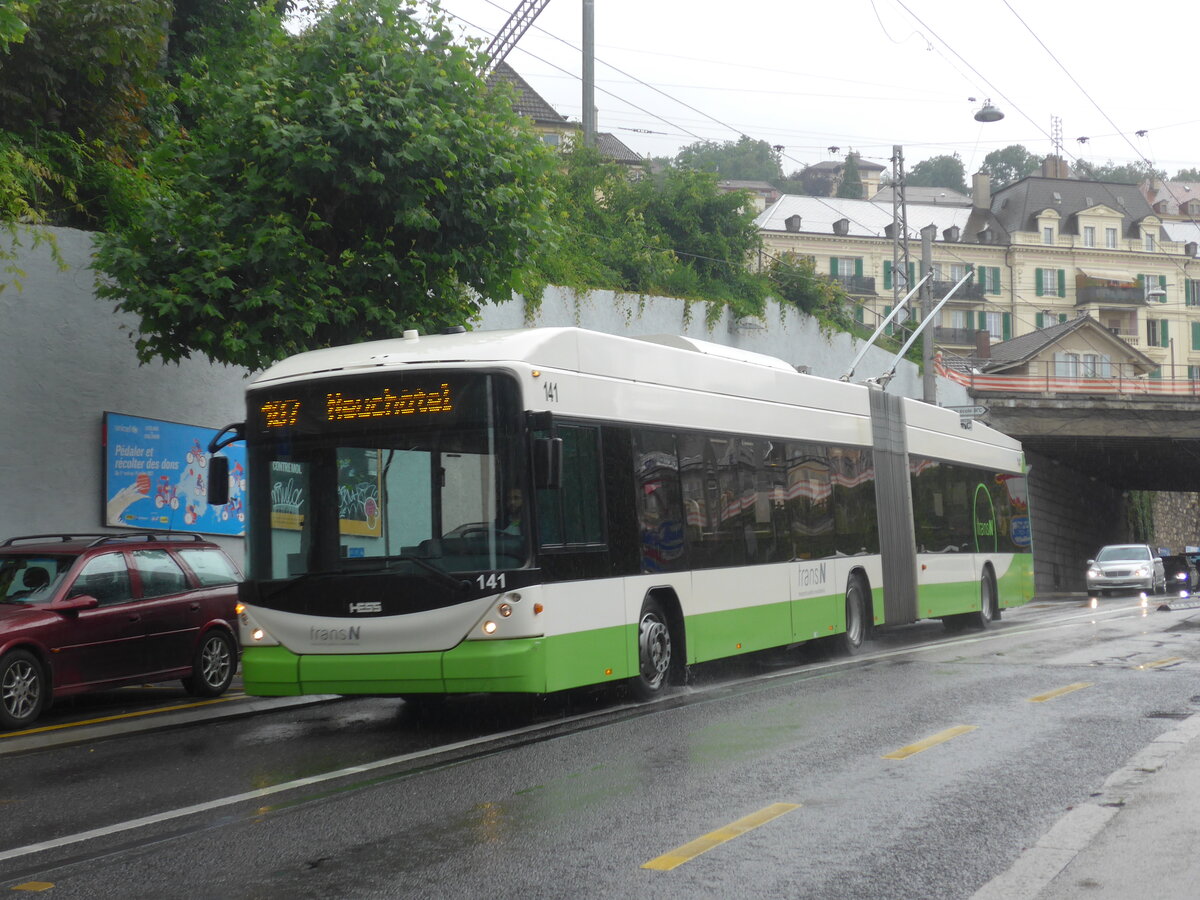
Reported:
(547, 462)
(218, 480)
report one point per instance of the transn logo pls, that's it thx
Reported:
(367, 606)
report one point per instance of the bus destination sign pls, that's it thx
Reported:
(338, 407)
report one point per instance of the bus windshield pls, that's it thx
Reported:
(412, 470)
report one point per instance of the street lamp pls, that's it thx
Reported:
(988, 113)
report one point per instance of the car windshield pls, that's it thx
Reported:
(31, 577)
(1122, 554)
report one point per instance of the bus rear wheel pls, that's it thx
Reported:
(850, 641)
(987, 612)
(655, 648)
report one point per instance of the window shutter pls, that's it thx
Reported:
(912, 275)
(1041, 288)
(1062, 282)
(1189, 296)
(1006, 326)
(1040, 320)
(886, 312)
(1162, 283)
(1163, 340)
(1196, 335)
(1142, 282)
(1062, 317)
(994, 286)
(983, 321)
(860, 314)
(858, 267)
(887, 274)
(833, 265)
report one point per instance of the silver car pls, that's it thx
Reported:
(1126, 567)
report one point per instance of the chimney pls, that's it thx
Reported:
(841, 227)
(1055, 167)
(951, 234)
(981, 191)
(1190, 248)
(986, 236)
(889, 231)
(792, 223)
(983, 345)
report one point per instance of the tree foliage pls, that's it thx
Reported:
(1118, 173)
(675, 234)
(1010, 164)
(349, 182)
(851, 186)
(1192, 175)
(744, 159)
(939, 171)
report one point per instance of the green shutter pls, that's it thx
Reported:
(1040, 320)
(858, 267)
(1163, 340)
(1041, 288)
(1162, 283)
(887, 274)
(886, 312)
(912, 274)
(833, 265)
(1189, 297)
(1062, 282)
(1062, 317)
(1196, 335)
(983, 321)
(860, 315)
(1006, 326)
(995, 282)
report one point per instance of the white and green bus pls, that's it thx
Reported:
(535, 510)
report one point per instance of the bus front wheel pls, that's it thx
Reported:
(987, 612)
(655, 648)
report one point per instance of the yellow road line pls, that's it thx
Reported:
(132, 715)
(1050, 695)
(35, 886)
(1160, 662)
(692, 849)
(940, 738)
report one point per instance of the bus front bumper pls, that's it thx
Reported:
(511, 666)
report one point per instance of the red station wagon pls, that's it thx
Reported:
(91, 612)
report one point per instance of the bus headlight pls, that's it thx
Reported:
(489, 627)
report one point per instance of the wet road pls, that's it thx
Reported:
(919, 769)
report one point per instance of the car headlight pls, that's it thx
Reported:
(1141, 571)
(1094, 572)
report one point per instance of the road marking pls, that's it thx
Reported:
(35, 886)
(1160, 662)
(1050, 695)
(132, 715)
(940, 738)
(692, 849)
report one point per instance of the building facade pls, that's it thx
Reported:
(1043, 250)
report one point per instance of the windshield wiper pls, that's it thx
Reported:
(446, 578)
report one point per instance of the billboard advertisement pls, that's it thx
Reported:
(155, 477)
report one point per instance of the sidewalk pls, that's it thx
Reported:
(1139, 837)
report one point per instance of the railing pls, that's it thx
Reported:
(963, 337)
(854, 284)
(1094, 293)
(1051, 379)
(970, 291)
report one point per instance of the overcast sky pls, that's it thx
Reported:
(870, 74)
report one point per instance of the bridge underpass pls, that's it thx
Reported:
(1086, 454)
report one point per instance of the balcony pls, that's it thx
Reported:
(854, 284)
(972, 290)
(1134, 296)
(1130, 337)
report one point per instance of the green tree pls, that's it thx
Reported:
(14, 23)
(939, 171)
(1192, 175)
(1010, 164)
(1118, 173)
(744, 159)
(851, 186)
(350, 182)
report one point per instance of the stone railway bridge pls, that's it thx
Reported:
(1086, 452)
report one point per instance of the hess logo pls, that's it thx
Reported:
(366, 606)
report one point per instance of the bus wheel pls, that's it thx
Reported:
(986, 613)
(654, 651)
(850, 641)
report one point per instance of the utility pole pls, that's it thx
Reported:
(589, 73)
(928, 378)
(899, 228)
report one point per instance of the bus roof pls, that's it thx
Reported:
(552, 347)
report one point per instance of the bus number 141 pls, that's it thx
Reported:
(494, 581)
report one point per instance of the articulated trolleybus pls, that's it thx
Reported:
(535, 510)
